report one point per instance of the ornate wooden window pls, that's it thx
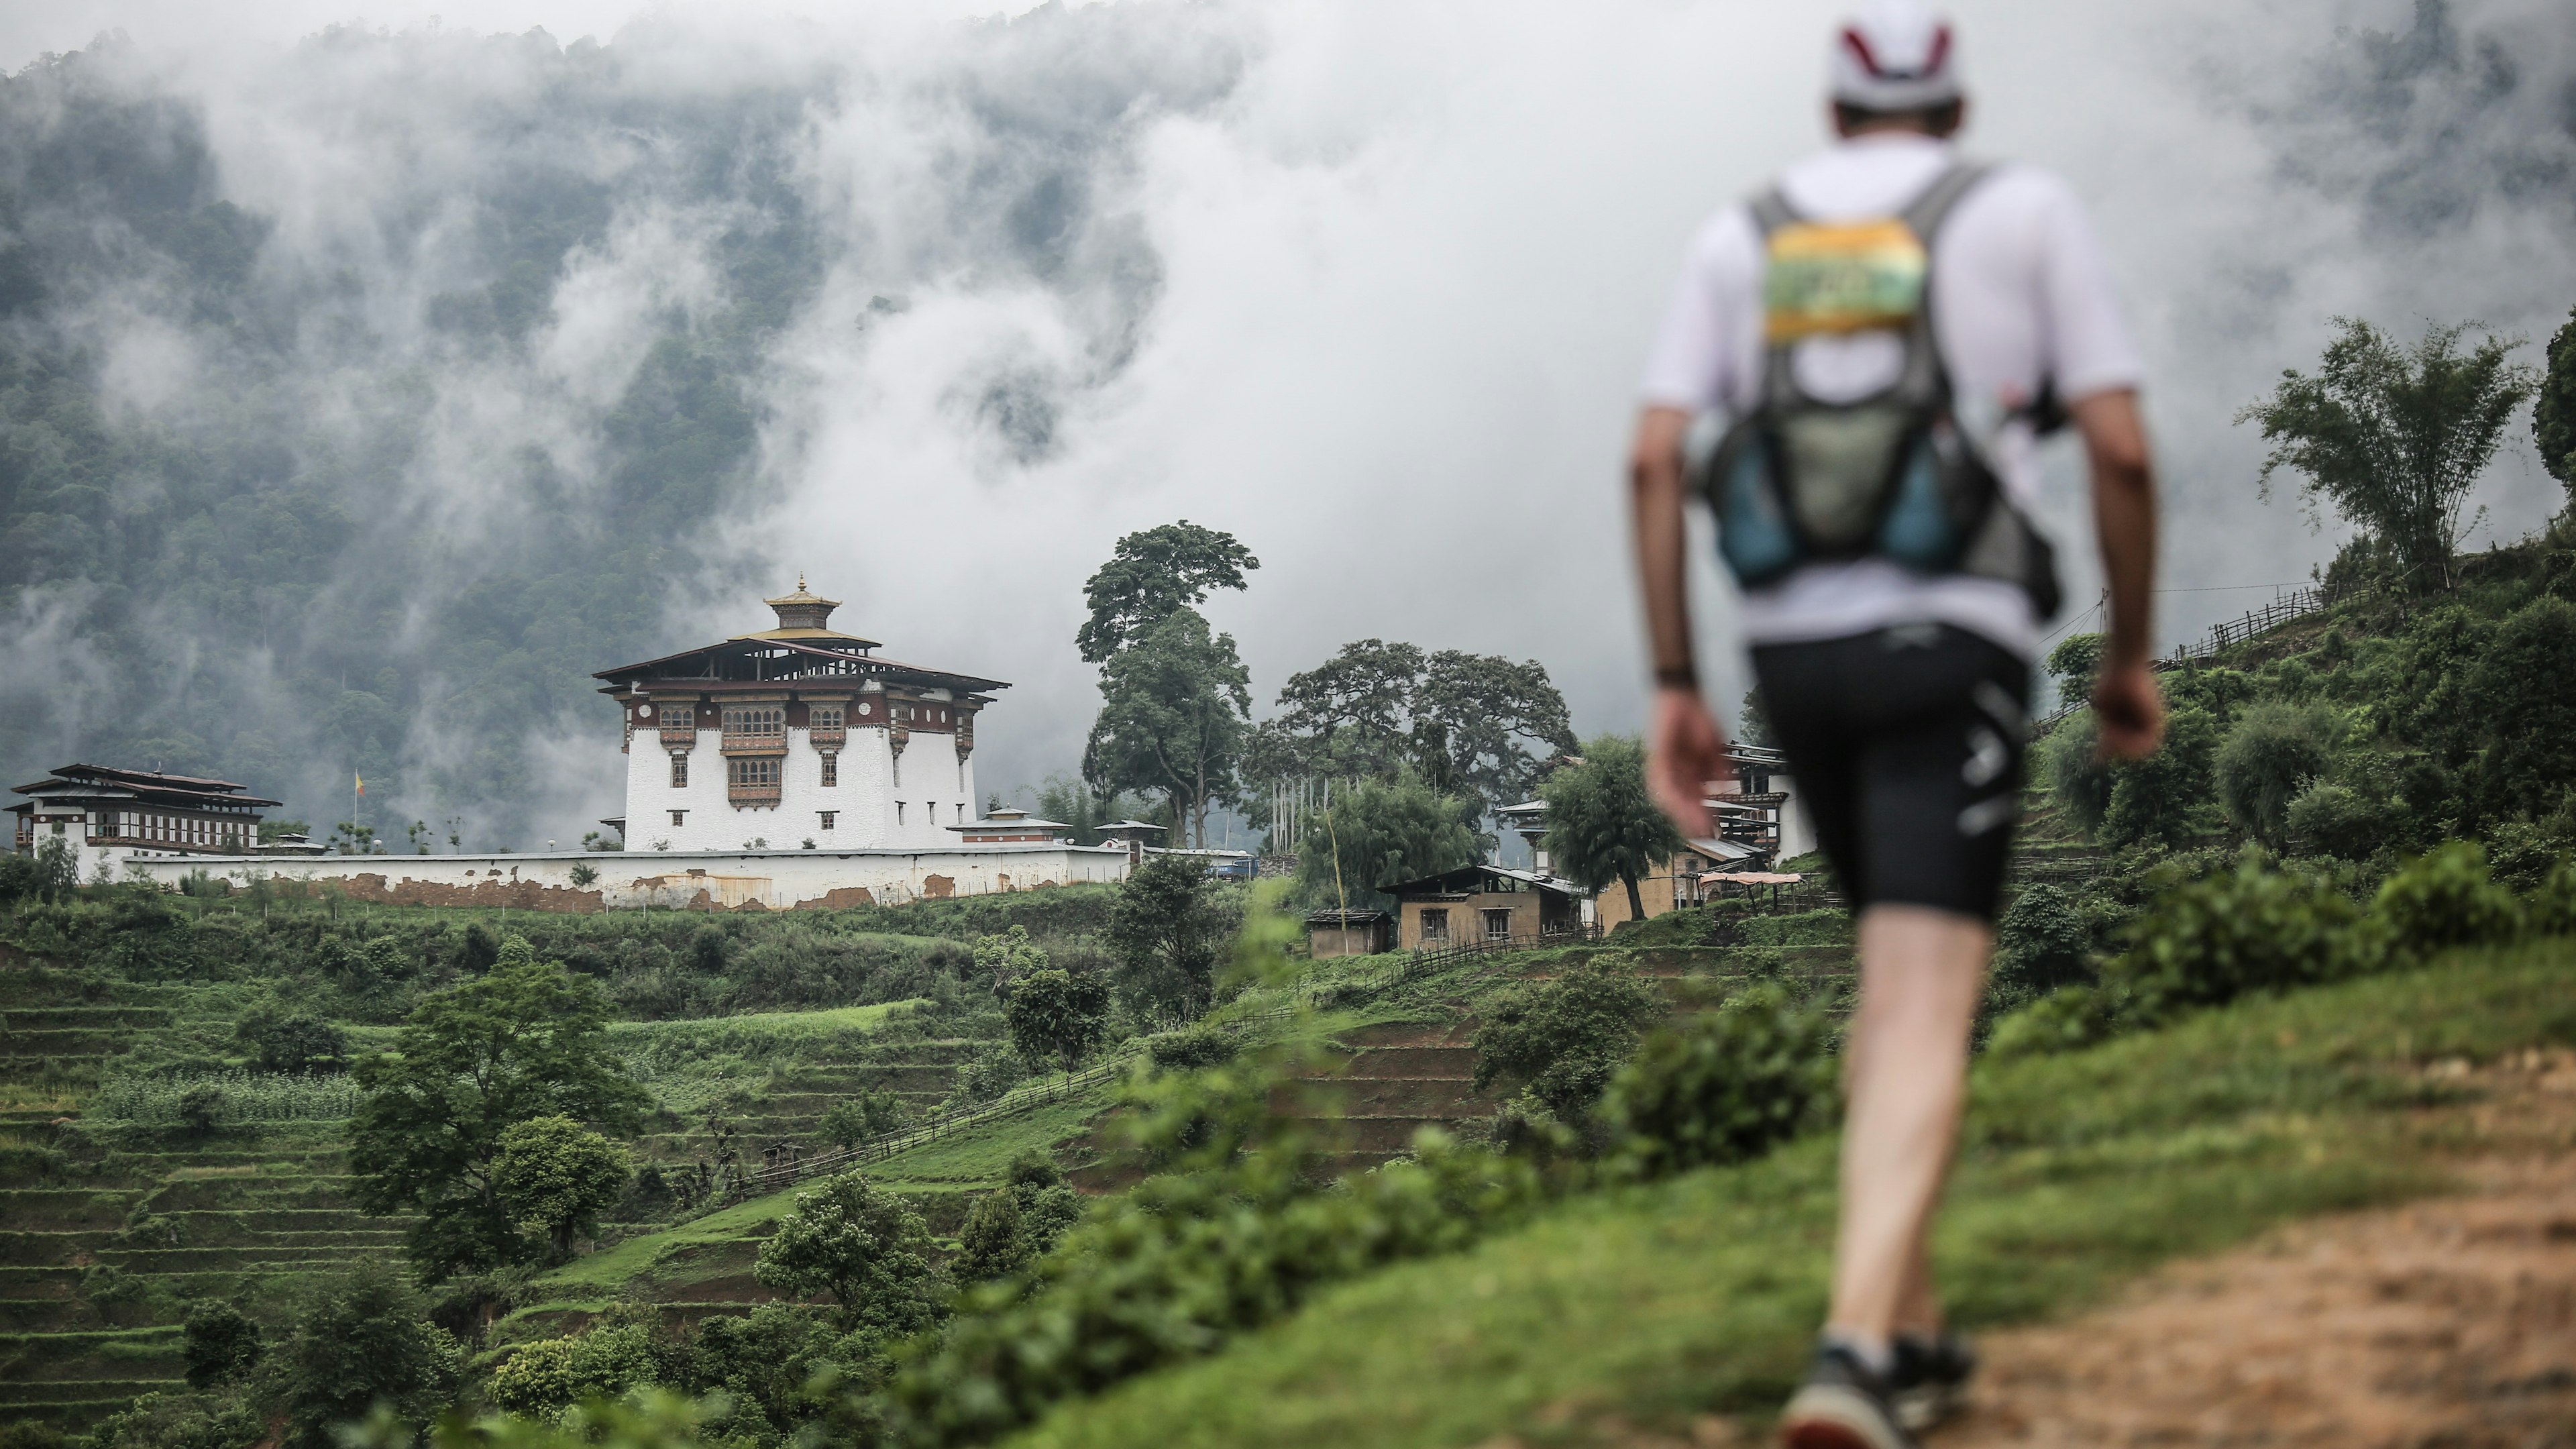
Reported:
(823, 724)
(752, 779)
(831, 770)
(827, 817)
(755, 727)
(679, 771)
(1435, 924)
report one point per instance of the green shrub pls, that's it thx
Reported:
(1175, 1268)
(552, 1374)
(219, 1343)
(2551, 910)
(1566, 1038)
(2069, 1018)
(2041, 944)
(2446, 898)
(861, 1118)
(2338, 820)
(2249, 928)
(2516, 699)
(2164, 799)
(2077, 778)
(865, 1248)
(2269, 755)
(1723, 1086)
(1191, 1046)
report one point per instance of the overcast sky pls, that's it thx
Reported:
(1409, 265)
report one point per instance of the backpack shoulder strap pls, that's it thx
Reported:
(1771, 211)
(1931, 206)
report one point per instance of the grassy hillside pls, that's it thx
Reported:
(1646, 1306)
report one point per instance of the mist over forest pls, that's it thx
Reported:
(359, 400)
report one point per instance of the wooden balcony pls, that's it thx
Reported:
(827, 738)
(681, 733)
(752, 796)
(755, 744)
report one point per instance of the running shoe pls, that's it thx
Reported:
(1929, 1381)
(1842, 1405)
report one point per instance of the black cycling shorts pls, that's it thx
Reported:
(1905, 747)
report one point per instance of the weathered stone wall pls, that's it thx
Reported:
(665, 880)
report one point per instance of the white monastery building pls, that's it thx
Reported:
(796, 737)
(789, 768)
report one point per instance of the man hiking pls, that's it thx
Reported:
(1887, 331)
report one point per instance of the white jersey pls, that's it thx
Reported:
(2020, 293)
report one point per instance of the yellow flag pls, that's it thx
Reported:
(361, 779)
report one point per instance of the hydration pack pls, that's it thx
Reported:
(1892, 475)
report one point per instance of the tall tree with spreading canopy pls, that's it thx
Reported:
(1173, 706)
(1602, 826)
(2553, 412)
(528, 1040)
(2395, 438)
(1474, 725)
(1153, 575)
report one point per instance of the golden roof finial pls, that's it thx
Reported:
(800, 581)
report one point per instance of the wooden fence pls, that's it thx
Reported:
(2296, 604)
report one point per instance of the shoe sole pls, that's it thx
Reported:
(1919, 1409)
(1830, 1416)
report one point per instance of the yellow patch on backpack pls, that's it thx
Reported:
(1839, 278)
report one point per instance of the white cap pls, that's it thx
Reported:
(1895, 55)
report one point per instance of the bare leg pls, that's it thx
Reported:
(1905, 1069)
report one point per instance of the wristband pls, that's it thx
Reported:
(1677, 676)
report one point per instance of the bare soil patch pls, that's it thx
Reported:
(2448, 1323)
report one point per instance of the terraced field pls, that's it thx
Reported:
(107, 1232)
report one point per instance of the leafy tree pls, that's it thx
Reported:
(2164, 798)
(1153, 575)
(1601, 824)
(2553, 413)
(1378, 832)
(1494, 723)
(2271, 754)
(862, 1118)
(291, 1041)
(2073, 663)
(1753, 722)
(1477, 725)
(1009, 1229)
(2077, 778)
(2040, 945)
(556, 1177)
(989, 1245)
(2517, 697)
(2335, 819)
(2395, 439)
(528, 1040)
(1565, 1039)
(1173, 705)
(1164, 932)
(864, 1248)
(219, 1344)
(1058, 1015)
(358, 1343)
(1007, 957)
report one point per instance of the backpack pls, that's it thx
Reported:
(1893, 475)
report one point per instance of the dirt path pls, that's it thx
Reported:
(2445, 1324)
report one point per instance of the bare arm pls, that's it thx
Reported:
(1684, 748)
(2127, 707)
